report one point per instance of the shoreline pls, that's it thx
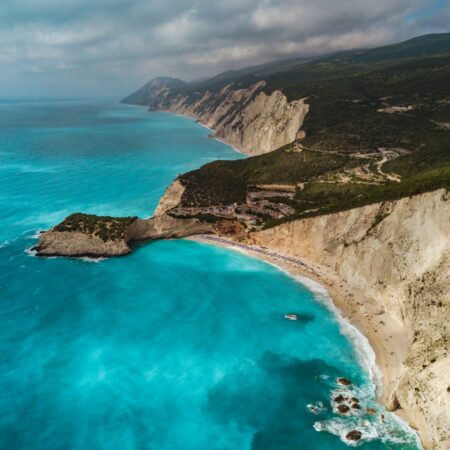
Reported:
(196, 120)
(383, 362)
(202, 124)
(385, 335)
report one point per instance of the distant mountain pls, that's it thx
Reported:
(147, 94)
(422, 46)
(287, 74)
(251, 72)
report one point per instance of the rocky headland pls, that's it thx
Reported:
(247, 118)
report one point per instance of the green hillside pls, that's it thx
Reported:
(378, 129)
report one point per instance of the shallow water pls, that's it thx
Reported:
(180, 345)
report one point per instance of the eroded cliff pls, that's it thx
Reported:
(396, 255)
(250, 119)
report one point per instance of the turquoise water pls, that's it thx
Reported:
(180, 345)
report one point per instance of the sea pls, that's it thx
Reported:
(180, 345)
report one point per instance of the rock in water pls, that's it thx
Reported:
(354, 435)
(343, 409)
(344, 381)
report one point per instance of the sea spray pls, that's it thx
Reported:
(364, 351)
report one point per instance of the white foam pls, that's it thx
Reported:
(35, 235)
(31, 251)
(5, 243)
(341, 427)
(89, 259)
(389, 431)
(28, 168)
(316, 408)
(382, 425)
(360, 343)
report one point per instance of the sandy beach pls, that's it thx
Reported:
(383, 332)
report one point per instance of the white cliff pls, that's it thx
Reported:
(251, 120)
(395, 259)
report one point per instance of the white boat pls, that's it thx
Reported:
(291, 316)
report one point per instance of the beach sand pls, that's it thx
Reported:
(384, 333)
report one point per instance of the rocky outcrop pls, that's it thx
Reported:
(85, 235)
(77, 244)
(171, 198)
(250, 119)
(397, 255)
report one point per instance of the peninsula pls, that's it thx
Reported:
(348, 182)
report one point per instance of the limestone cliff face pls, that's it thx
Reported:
(249, 119)
(171, 198)
(163, 226)
(397, 254)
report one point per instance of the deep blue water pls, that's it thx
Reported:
(178, 346)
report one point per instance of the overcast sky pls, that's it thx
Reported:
(75, 48)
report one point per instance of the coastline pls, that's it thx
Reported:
(202, 124)
(381, 349)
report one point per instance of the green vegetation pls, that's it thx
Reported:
(225, 182)
(321, 198)
(362, 103)
(105, 227)
(228, 182)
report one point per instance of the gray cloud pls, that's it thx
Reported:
(109, 47)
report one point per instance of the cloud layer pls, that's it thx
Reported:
(108, 47)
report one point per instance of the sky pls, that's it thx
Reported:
(108, 48)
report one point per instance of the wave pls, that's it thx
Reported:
(28, 168)
(364, 351)
(31, 251)
(369, 418)
(5, 243)
(91, 260)
(387, 431)
(36, 234)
